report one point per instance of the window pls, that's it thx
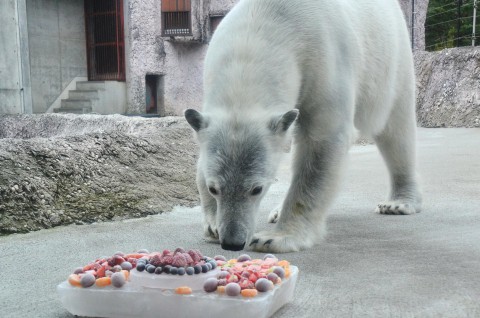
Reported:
(176, 17)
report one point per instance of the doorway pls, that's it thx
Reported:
(105, 40)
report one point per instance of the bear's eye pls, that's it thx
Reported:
(257, 191)
(213, 190)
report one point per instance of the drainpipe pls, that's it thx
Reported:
(474, 21)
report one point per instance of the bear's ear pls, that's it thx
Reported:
(282, 123)
(195, 119)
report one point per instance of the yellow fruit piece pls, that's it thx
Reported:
(183, 290)
(74, 280)
(249, 292)
(103, 282)
(221, 289)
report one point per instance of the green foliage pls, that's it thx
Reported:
(441, 24)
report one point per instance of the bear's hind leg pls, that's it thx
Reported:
(397, 145)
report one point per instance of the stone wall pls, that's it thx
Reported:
(448, 87)
(63, 169)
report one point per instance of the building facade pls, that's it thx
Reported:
(108, 56)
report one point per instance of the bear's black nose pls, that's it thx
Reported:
(233, 247)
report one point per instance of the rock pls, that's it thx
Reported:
(64, 184)
(448, 87)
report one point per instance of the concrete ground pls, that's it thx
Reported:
(370, 265)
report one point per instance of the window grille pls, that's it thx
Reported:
(176, 17)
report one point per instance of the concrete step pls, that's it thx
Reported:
(73, 110)
(76, 103)
(90, 85)
(83, 94)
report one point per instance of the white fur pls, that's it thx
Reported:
(346, 65)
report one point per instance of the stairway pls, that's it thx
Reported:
(83, 99)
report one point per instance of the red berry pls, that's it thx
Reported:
(166, 252)
(167, 259)
(178, 250)
(156, 260)
(253, 278)
(179, 260)
(189, 259)
(118, 259)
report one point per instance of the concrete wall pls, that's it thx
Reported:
(179, 60)
(421, 7)
(15, 94)
(56, 34)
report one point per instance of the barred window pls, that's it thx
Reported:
(176, 17)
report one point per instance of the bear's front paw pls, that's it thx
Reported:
(210, 230)
(278, 241)
(396, 207)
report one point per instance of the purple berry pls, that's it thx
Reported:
(263, 285)
(142, 251)
(244, 258)
(78, 270)
(126, 266)
(279, 271)
(220, 258)
(233, 289)
(116, 268)
(222, 274)
(210, 285)
(87, 280)
(268, 256)
(272, 277)
(222, 282)
(118, 279)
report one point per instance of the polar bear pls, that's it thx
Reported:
(322, 69)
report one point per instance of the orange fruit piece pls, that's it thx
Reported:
(102, 282)
(221, 289)
(126, 274)
(183, 290)
(249, 292)
(284, 263)
(74, 280)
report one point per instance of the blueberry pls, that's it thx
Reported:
(204, 268)
(151, 269)
(174, 271)
(189, 270)
(166, 269)
(210, 266)
(140, 267)
(213, 263)
(158, 270)
(197, 269)
(181, 271)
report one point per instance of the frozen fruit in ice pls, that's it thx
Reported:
(272, 277)
(181, 271)
(118, 279)
(87, 280)
(179, 260)
(158, 270)
(197, 269)
(233, 289)
(156, 260)
(279, 271)
(210, 285)
(263, 285)
(189, 270)
(220, 258)
(150, 269)
(140, 267)
(126, 266)
(244, 258)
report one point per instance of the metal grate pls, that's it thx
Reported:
(105, 40)
(176, 18)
